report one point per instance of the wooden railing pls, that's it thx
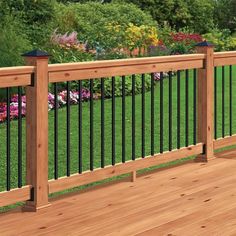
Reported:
(36, 76)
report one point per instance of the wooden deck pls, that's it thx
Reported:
(191, 199)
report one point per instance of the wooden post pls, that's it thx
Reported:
(37, 131)
(205, 101)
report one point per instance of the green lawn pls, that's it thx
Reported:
(97, 123)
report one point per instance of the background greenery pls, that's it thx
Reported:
(27, 24)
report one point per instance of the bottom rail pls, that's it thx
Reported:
(122, 168)
(224, 142)
(15, 195)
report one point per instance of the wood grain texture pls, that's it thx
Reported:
(17, 70)
(37, 134)
(225, 58)
(15, 195)
(122, 168)
(98, 69)
(123, 62)
(15, 80)
(224, 142)
(205, 103)
(192, 199)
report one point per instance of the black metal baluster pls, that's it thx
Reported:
(223, 101)
(133, 117)
(8, 142)
(143, 115)
(68, 128)
(170, 111)
(152, 115)
(113, 123)
(80, 128)
(91, 125)
(194, 106)
(186, 108)
(19, 137)
(123, 119)
(55, 131)
(230, 101)
(178, 108)
(161, 112)
(102, 124)
(215, 103)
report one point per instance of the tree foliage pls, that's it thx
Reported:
(179, 13)
(225, 14)
(35, 16)
(91, 20)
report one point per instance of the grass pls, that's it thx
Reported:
(108, 134)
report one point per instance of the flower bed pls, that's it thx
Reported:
(62, 101)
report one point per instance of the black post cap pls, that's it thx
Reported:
(36, 53)
(204, 44)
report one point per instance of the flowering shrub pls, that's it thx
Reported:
(75, 96)
(140, 37)
(67, 48)
(132, 39)
(14, 112)
(68, 41)
(182, 43)
(221, 39)
(186, 38)
(62, 100)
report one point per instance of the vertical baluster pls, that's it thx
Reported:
(170, 111)
(152, 115)
(223, 101)
(230, 101)
(143, 115)
(161, 112)
(194, 106)
(113, 122)
(68, 128)
(80, 127)
(215, 103)
(19, 137)
(55, 131)
(133, 117)
(123, 119)
(91, 126)
(102, 124)
(178, 108)
(8, 141)
(186, 108)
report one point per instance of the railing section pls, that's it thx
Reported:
(119, 117)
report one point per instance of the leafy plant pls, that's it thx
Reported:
(13, 42)
(222, 39)
(91, 21)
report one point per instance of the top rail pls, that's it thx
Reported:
(225, 58)
(98, 69)
(21, 75)
(16, 76)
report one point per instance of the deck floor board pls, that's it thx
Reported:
(191, 199)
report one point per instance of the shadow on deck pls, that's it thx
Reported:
(191, 199)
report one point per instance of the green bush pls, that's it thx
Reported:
(34, 16)
(90, 20)
(108, 85)
(196, 14)
(224, 13)
(222, 39)
(13, 42)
